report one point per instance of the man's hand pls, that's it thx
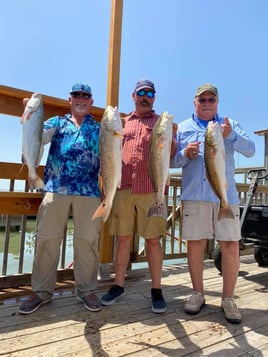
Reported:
(192, 150)
(25, 101)
(174, 129)
(226, 128)
(174, 143)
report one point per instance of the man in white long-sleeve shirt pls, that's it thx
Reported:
(201, 205)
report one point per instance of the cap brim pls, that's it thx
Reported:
(79, 90)
(143, 87)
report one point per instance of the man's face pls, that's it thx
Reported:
(206, 105)
(144, 100)
(81, 103)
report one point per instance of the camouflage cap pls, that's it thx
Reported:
(81, 87)
(206, 88)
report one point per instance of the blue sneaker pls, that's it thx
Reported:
(114, 293)
(158, 302)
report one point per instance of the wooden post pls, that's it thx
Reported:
(106, 241)
(114, 53)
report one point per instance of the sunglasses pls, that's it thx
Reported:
(209, 100)
(81, 95)
(142, 93)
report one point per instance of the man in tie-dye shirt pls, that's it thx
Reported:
(71, 187)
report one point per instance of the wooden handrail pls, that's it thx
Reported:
(19, 203)
(11, 103)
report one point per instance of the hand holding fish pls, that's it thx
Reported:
(174, 142)
(25, 101)
(192, 150)
(226, 128)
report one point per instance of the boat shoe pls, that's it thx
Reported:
(91, 302)
(32, 304)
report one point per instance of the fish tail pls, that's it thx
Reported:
(103, 211)
(158, 209)
(225, 212)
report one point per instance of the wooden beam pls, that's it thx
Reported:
(24, 280)
(114, 53)
(17, 203)
(14, 171)
(11, 104)
(261, 132)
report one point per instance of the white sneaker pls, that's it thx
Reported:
(195, 303)
(231, 311)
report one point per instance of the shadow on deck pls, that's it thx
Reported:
(129, 328)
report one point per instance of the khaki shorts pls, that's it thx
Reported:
(129, 216)
(199, 221)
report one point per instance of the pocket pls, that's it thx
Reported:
(190, 211)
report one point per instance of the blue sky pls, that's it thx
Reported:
(48, 45)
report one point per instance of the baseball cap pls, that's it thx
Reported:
(207, 87)
(81, 87)
(144, 83)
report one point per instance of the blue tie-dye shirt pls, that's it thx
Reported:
(73, 162)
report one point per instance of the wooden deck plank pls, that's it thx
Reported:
(129, 328)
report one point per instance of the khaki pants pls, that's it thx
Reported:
(52, 218)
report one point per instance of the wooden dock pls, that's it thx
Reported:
(129, 328)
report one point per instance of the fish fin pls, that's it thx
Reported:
(223, 155)
(100, 182)
(225, 212)
(214, 151)
(118, 134)
(23, 159)
(226, 184)
(158, 209)
(103, 211)
(40, 155)
(161, 142)
(168, 180)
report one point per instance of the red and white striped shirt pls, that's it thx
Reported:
(135, 166)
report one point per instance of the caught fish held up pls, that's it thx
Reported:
(32, 147)
(160, 146)
(111, 135)
(215, 167)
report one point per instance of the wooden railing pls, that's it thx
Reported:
(16, 206)
(20, 205)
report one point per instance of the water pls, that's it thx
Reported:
(14, 249)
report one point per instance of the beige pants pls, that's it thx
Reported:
(52, 218)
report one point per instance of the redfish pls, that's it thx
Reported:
(215, 167)
(32, 147)
(160, 146)
(111, 135)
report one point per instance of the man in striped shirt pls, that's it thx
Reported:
(135, 196)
